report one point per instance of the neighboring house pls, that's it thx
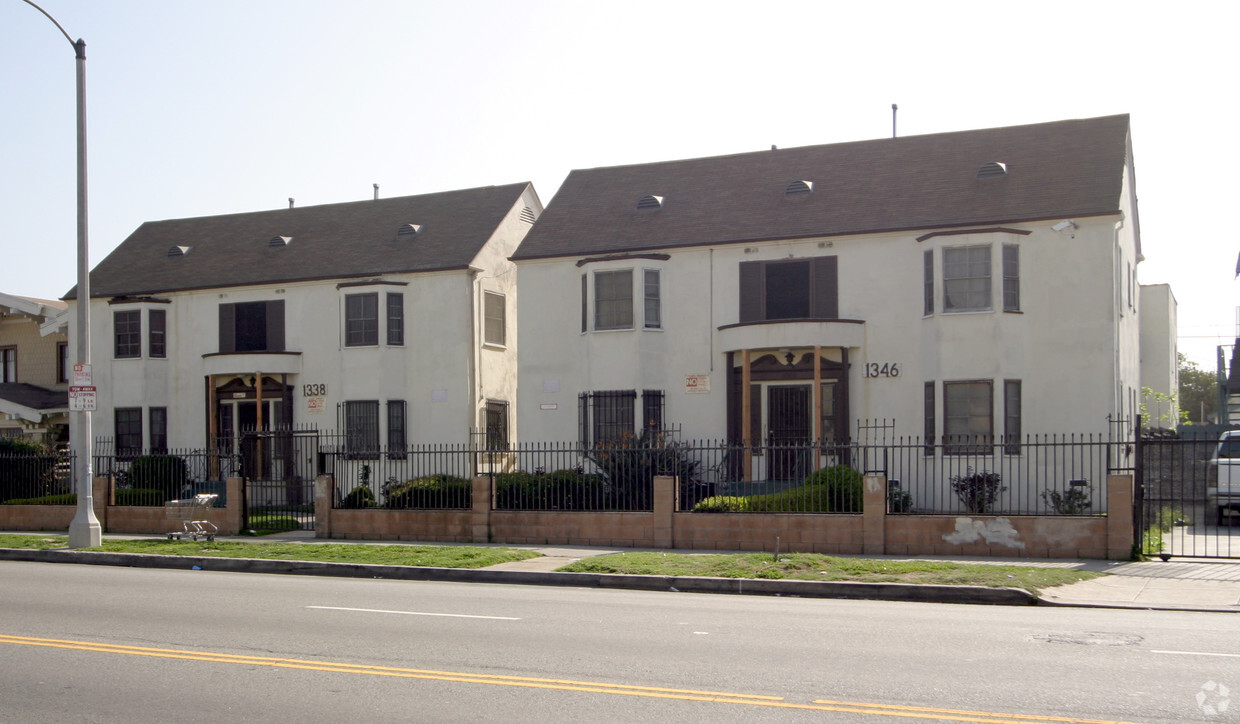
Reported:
(34, 370)
(949, 287)
(1160, 363)
(388, 320)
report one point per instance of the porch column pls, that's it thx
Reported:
(258, 424)
(746, 417)
(213, 449)
(817, 426)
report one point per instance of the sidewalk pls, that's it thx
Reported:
(1189, 584)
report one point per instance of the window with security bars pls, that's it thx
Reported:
(397, 435)
(361, 428)
(606, 416)
(497, 425)
(158, 428)
(652, 410)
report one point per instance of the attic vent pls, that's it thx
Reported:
(650, 202)
(994, 169)
(409, 230)
(178, 250)
(279, 241)
(527, 215)
(797, 188)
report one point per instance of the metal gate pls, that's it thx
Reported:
(1177, 511)
(279, 467)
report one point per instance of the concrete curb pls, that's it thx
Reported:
(740, 586)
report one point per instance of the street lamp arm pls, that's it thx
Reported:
(78, 46)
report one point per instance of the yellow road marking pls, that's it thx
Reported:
(889, 710)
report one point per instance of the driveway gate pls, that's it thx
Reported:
(279, 467)
(1176, 515)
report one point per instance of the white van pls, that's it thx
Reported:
(1225, 494)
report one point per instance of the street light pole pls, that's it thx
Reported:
(84, 530)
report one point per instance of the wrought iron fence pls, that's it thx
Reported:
(44, 478)
(152, 477)
(1039, 475)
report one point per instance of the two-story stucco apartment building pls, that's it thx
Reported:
(389, 319)
(956, 285)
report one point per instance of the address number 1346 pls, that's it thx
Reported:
(885, 369)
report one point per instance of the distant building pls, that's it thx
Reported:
(34, 370)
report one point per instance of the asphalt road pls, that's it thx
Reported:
(102, 644)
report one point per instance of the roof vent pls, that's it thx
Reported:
(279, 241)
(178, 250)
(994, 169)
(527, 215)
(650, 202)
(798, 188)
(409, 230)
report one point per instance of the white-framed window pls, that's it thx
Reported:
(8, 364)
(1011, 278)
(494, 319)
(652, 298)
(968, 417)
(361, 428)
(395, 319)
(127, 333)
(966, 278)
(361, 320)
(613, 299)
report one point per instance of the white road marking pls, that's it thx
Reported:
(1197, 653)
(413, 613)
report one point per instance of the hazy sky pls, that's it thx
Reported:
(199, 108)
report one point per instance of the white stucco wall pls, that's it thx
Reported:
(1068, 345)
(1159, 358)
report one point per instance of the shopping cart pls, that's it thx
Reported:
(191, 514)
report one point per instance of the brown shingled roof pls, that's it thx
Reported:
(1062, 169)
(348, 240)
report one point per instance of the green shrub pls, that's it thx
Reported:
(1073, 501)
(25, 471)
(722, 504)
(61, 499)
(629, 464)
(140, 497)
(165, 473)
(359, 497)
(432, 491)
(899, 501)
(978, 491)
(841, 487)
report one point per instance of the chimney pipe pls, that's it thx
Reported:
(376, 192)
(290, 202)
(894, 108)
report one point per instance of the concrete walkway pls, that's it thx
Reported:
(1182, 584)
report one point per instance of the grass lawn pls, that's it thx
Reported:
(392, 555)
(799, 566)
(818, 567)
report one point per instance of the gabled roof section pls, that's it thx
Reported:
(31, 402)
(332, 241)
(1063, 169)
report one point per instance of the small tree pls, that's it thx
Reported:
(1198, 391)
